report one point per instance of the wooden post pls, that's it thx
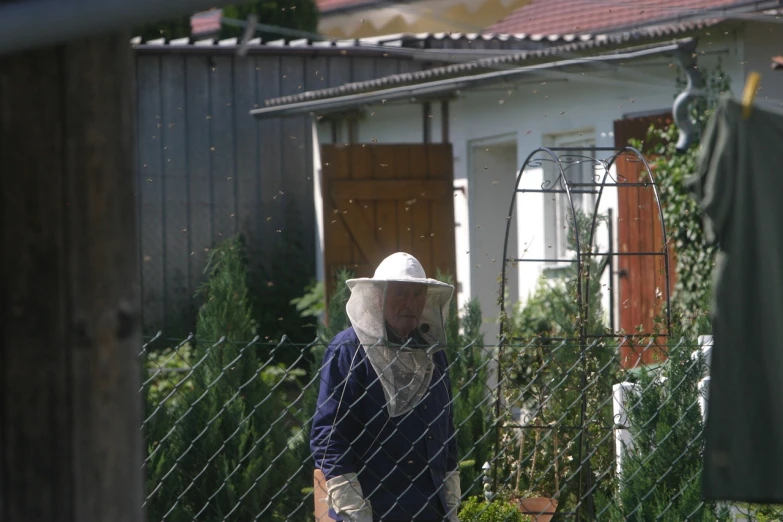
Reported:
(444, 121)
(426, 110)
(70, 408)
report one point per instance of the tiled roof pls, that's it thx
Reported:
(597, 43)
(206, 22)
(590, 16)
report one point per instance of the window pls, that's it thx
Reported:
(579, 168)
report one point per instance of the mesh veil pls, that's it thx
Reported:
(404, 371)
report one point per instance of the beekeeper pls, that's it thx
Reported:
(383, 432)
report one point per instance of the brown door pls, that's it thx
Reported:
(642, 278)
(381, 199)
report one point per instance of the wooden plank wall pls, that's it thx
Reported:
(69, 311)
(381, 199)
(207, 170)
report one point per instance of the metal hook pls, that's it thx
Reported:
(694, 88)
(250, 30)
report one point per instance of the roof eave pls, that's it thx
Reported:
(447, 86)
(209, 48)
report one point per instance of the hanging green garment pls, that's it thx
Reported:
(739, 185)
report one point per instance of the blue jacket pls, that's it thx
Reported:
(401, 462)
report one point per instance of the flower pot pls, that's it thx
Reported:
(541, 509)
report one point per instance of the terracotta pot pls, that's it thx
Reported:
(541, 509)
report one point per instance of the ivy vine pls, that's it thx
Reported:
(682, 216)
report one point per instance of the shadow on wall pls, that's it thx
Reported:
(279, 273)
(279, 269)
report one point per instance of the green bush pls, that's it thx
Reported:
(331, 318)
(473, 404)
(164, 371)
(277, 276)
(229, 429)
(543, 365)
(682, 216)
(475, 509)
(311, 306)
(661, 474)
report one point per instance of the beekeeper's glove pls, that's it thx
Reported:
(344, 495)
(453, 495)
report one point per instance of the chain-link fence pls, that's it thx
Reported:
(534, 427)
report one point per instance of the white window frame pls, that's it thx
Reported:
(556, 208)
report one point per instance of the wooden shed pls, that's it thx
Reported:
(207, 170)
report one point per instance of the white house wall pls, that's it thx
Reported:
(396, 123)
(533, 111)
(761, 43)
(492, 166)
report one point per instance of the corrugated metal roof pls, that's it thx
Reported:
(469, 40)
(434, 48)
(443, 86)
(599, 42)
(463, 41)
(427, 57)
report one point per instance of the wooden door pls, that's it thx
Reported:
(642, 279)
(381, 199)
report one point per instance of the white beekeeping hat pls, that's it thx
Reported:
(405, 372)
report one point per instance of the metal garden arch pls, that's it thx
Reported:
(561, 160)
